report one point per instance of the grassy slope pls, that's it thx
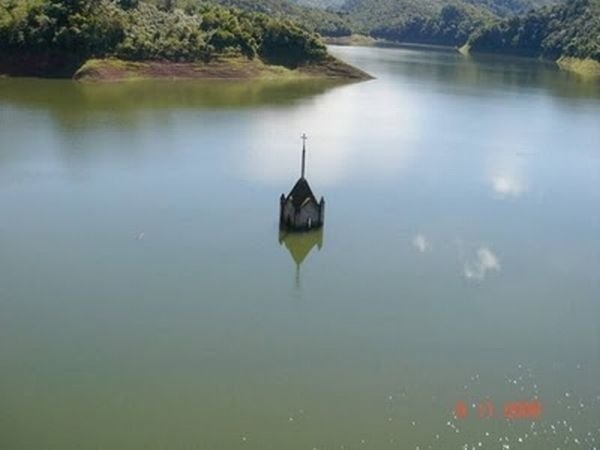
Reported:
(359, 40)
(233, 68)
(585, 67)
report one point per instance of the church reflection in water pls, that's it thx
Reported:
(300, 245)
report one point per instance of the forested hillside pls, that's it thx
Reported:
(322, 4)
(452, 25)
(315, 19)
(64, 33)
(430, 20)
(60, 32)
(539, 28)
(444, 22)
(510, 7)
(569, 29)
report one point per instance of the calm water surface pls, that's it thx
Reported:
(147, 302)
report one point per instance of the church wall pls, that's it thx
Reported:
(300, 220)
(311, 211)
(288, 211)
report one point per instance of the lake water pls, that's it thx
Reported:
(147, 302)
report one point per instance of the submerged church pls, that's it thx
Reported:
(300, 210)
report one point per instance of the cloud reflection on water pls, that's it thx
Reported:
(485, 262)
(421, 243)
(354, 131)
(508, 185)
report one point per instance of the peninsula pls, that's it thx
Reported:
(108, 40)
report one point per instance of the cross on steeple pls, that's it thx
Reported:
(304, 138)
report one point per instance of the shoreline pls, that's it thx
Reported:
(353, 40)
(221, 68)
(360, 40)
(584, 67)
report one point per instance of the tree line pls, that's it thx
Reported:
(284, 32)
(568, 29)
(536, 28)
(136, 30)
(546, 28)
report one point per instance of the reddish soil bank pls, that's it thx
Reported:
(222, 68)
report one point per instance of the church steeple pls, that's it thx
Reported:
(300, 210)
(304, 138)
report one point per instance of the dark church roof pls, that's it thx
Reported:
(301, 192)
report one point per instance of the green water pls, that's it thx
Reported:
(146, 301)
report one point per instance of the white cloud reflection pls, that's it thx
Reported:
(485, 262)
(506, 168)
(421, 243)
(350, 135)
(508, 186)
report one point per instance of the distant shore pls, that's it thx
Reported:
(355, 40)
(588, 68)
